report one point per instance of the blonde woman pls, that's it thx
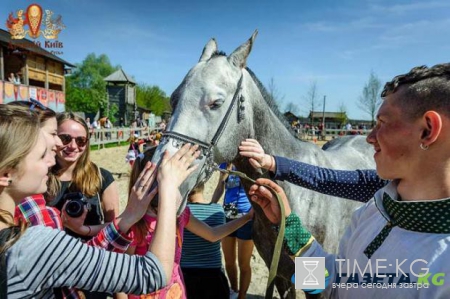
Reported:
(75, 172)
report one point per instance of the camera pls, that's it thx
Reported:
(75, 204)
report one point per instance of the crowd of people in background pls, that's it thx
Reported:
(319, 130)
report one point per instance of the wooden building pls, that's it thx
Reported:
(290, 117)
(333, 120)
(121, 90)
(41, 73)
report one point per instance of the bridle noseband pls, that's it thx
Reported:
(206, 148)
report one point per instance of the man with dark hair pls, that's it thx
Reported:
(397, 245)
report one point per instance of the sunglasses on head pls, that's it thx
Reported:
(37, 104)
(66, 139)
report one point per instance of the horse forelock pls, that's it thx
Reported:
(218, 53)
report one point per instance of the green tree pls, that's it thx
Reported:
(153, 98)
(112, 113)
(85, 88)
(370, 99)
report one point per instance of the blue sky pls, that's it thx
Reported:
(335, 43)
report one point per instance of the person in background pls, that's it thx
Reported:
(133, 149)
(108, 125)
(95, 126)
(90, 127)
(12, 78)
(133, 126)
(162, 125)
(201, 261)
(75, 172)
(236, 204)
(17, 79)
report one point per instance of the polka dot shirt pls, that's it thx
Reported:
(359, 185)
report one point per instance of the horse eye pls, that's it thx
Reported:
(216, 104)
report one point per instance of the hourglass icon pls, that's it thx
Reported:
(310, 279)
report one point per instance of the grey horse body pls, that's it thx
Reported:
(214, 78)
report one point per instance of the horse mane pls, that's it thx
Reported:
(270, 101)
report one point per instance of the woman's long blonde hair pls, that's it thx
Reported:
(86, 175)
(19, 132)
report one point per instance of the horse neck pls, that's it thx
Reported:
(272, 134)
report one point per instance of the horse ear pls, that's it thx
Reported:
(239, 56)
(208, 50)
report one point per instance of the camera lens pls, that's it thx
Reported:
(74, 208)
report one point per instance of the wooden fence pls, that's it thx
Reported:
(100, 137)
(330, 133)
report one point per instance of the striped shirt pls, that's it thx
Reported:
(45, 258)
(198, 252)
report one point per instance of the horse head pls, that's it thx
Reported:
(209, 109)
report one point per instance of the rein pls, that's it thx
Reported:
(279, 242)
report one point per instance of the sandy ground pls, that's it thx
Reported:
(113, 159)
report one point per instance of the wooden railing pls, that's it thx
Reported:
(329, 133)
(100, 137)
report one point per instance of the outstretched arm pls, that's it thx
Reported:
(216, 233)
(359, 185)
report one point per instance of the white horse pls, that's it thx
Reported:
(220, 103)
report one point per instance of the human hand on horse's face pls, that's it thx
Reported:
(140, 196)
(251, 149)
(174, 170)
(268, 201)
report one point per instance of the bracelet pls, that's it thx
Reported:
(89, 233)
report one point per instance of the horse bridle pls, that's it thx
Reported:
(178, 139)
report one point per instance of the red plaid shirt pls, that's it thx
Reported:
(34, 211)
